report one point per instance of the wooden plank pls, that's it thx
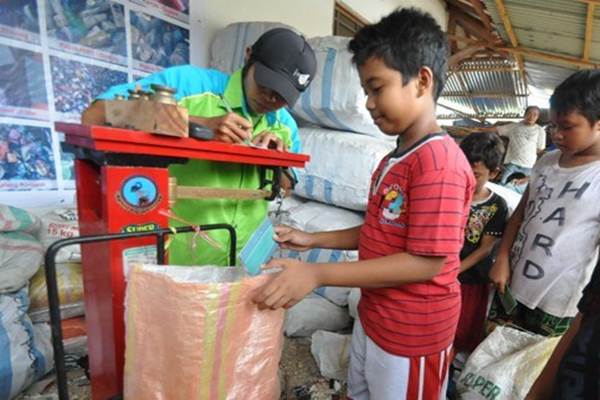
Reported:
(552, 57)
(512, 37)
(589, 27)
(456, 58)
(472, 25)
(141, 115)
(483, 95)
(193, 192)
(479, 9)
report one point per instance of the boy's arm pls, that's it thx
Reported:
(294, 239)
(543, 388)
(500, 271)
(297, 278)
(486, 245)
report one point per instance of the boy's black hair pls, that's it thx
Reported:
(485, 147)
(405, 40)
(580, 92)
(533, 108)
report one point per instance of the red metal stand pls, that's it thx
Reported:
(122, 183)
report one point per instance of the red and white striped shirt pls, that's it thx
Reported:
(419, 204)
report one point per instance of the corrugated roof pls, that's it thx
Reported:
(550, 26)
(489, 88)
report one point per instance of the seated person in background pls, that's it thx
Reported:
(550, 245)
(517, 182)
(247, 106)
(487, 219)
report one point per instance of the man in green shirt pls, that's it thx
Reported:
(246, 106)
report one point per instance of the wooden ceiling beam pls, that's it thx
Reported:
(456, 58)
(512, 37)
(471, 95)
(472, 25)
(589, 27)
(554, 58)
(479, 9)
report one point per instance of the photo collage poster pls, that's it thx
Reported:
(56, 56)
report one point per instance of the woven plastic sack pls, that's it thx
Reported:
(340, 167)
(25, 348)
(70, 292)
(194, 333)
(17, 219)
(335, 98)
(20, 257)
(505, 365)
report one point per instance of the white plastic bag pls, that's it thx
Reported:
(335, 98)
(228, 48)
(315, 313)
(25, 349)
(353, 300)
(505, 365)
(340, 167)
(331, 352)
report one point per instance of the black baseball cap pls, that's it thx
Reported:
(284, 62)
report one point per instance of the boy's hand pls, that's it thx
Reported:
(500, 273)
(293, 239)
(288, 287)
(268, 140)
(229, 128)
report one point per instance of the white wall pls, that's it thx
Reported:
(373, 10)
(311, 17)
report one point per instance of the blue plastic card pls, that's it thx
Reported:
(259, 249)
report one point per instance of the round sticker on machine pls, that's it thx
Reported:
(138, 193)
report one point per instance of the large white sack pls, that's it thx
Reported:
(228, 48)
(331, 352)
(340, 167)
(315, 313)
(25, 349)
(20, 257)
(17, 219)
(505, 365)
(353, 300)
(61, 224)
(335, 98)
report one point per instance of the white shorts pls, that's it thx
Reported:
(375, 374)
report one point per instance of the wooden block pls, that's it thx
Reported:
(143, 115)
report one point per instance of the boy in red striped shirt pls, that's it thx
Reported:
(413, 232)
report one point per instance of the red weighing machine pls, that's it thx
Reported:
(122, 184)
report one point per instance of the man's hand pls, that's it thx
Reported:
(293, 239)
(228, 128)
(268, 140)
(500, 273)
(286, 288)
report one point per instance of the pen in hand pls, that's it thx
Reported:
(229, 111)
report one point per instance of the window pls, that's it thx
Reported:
(345, 21)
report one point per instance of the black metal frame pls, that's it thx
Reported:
(54, 301)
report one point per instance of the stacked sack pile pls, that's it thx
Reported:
(25, 337)
(332, 191)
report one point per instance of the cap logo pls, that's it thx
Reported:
(302, 78)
